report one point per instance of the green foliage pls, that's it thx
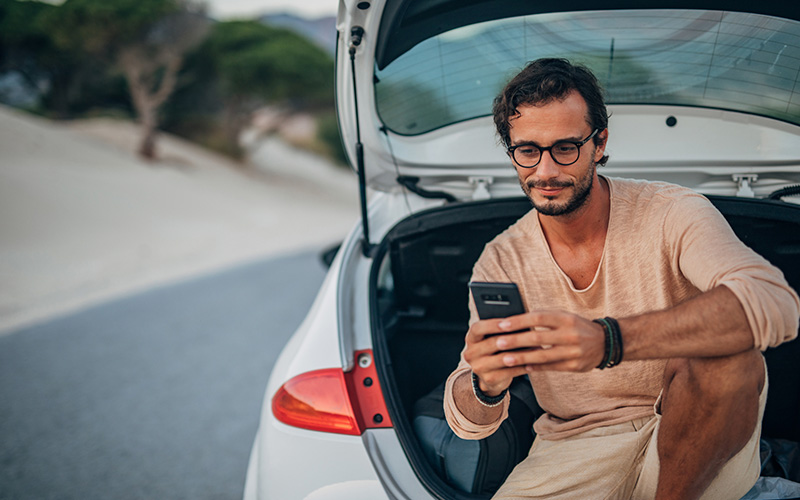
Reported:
(242, 66)
(272, 64)
(69, 55)
(24, 39)
(102, 27)
(20, 22)
(64, 81)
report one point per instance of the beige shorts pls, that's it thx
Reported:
(619, 462)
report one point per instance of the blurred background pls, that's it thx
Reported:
(170, 172)
(197, 69)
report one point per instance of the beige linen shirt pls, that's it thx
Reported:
(665, 244)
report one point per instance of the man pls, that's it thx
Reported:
(666, 400)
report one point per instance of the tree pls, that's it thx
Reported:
(28, 51)
(145, 39)
(258, 65)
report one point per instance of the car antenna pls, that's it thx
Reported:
(356, 35)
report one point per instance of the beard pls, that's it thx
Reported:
(582, 186)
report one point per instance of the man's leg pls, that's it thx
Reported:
(709, 410)
(601, 463)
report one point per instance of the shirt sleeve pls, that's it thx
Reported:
(709, 254)
(459, 423)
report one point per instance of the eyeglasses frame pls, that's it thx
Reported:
(542, 150)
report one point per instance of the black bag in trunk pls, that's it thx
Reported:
(478, 467)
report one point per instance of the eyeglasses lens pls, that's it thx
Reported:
(564, 153)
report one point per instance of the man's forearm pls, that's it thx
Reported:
(469, 406)
(711, 324)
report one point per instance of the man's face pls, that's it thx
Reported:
(555, 189)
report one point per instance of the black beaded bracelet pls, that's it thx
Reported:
(483, 398)
(613, 341)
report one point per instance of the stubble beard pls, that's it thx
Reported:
(580, 196)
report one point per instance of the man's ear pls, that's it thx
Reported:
(602, 138)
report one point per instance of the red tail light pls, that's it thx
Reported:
(318, 401)
(330, 400)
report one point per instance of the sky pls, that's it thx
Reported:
(226, 9)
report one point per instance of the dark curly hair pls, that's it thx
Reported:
(543, 81)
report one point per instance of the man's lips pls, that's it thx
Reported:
(549, 190)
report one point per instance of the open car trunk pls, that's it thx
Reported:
(419, 314)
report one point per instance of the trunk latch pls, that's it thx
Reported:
(481, 187)
(745, 181)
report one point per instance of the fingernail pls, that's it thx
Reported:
(502, 343)
(508, 360)
(504, 324)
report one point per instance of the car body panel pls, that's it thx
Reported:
(310, 461)
(399, 478)
(350, 490)
(754, 145)
(291, 473)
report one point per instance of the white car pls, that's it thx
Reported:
(707, 97)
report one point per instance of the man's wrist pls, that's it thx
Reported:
(485, 399)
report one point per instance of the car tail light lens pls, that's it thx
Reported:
(331, 400)
(318, 401)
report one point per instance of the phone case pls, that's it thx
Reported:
(496, 300)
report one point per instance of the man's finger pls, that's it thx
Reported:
(536, 338)
(481, 329)
(537, 319)
(540, 356)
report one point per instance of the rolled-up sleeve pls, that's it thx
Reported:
(459, 423)
(710, 254)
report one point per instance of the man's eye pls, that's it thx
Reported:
(565, 148)
(528, 151)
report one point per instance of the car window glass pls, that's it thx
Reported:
(726, 60)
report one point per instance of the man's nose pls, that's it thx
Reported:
(547, 167)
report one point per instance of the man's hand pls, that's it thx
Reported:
(483, 356)
(550, 340)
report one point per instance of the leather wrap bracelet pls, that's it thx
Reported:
(613, 340)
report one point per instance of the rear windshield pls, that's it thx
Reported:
(726, 60)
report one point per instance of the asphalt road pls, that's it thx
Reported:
(155, 396)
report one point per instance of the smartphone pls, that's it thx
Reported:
(496, 300)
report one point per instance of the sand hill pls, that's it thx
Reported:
(82, 219)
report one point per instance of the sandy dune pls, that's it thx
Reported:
(83, 220)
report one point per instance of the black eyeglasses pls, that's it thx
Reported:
(563, 152)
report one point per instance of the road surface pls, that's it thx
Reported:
(153, 396)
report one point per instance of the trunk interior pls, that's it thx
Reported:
(419, 312)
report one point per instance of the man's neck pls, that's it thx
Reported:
(585, 226)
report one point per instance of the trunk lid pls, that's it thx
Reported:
(707, 98)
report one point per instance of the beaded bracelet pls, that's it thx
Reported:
(485, 399)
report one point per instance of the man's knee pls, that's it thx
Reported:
(723, 390)
(725, 377)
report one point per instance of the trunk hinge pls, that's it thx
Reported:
(367, 248)
(745, 181)
(481, 185)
